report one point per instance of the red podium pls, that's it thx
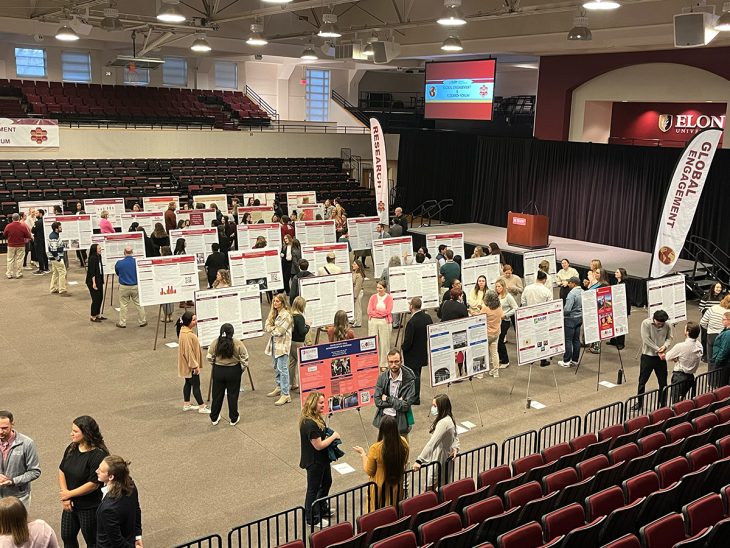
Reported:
(526, 230)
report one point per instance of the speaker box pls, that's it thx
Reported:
(384, 52)
(692, 30)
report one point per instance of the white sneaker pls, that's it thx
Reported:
(216, 421)
(324, 523)
(574, 363)
(565, 364)
(204, 410)
(494, 373)
(190, 407)
(234, 423)
(504, 365)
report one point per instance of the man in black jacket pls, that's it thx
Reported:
(401, 219)
(294, 282)
(415, 343)
(39, 241)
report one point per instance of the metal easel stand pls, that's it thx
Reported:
(364, 430)
(476, 404)
(157, 330)
(210, 382)
(108, 288)
(528, 400)
(621, 377)
(404, 319)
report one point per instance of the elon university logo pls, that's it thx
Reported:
(665, 122)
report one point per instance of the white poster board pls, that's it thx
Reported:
(416, 280)
(362, 231)
(315, 232)
(258, 213)
(167, 279)
(295, 199)
(220, 201)
(264, 198)
(668, 294)
(198, 241)
(197, 217)
(114, 206)
(45, 205)
(247, 235)
(238, 306)
(383, 250)
(457, 349)
(309, 212)
(113, 245)
(605, 314)
(316, 255)
(258, 267)
(325, 295)
(159, 203)
(76, 230)
(145, 219)
(454, 240)
(487, 266)
(540, 331)
(532, 259)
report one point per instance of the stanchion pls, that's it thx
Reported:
(476, 404)
(364, 430)
(108, 288)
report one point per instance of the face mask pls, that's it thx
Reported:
(434, 410)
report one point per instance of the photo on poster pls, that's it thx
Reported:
(459, 339)
(340, 367)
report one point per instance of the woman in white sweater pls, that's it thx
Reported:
(444, 442)
(712, 322)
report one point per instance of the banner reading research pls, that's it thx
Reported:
(29, 133)
(682, 198)
(380, 170)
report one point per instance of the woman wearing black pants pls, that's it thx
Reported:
(95, 282)
(229, 358)
(189, 362)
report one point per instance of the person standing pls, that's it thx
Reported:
(395, 229)
(314, 458)
(563, 276)
(105, 225)
(721, 351)
(475, 299)
(509, 307)
(229, 359)
(159, 238)
(189, 362)
(78, 484)
(514, 285)
(19, 464)
(280, 325)
(95, 281)
(286, 260)
(330, 267)
(401, 220)
(712, 297)
(454, 307)
(16, 235)
(214, 262)
(415, 343)
(449, 271)
(126, 270)
(572, 320)
(340, 329)
(712, 321)
(686, 357)
(119, 518)
(620, 341)
(538, 293)
(492, 307)
(656, 336)
(222, 279)
(170, 217)
(444, 441)
(395, 391)
(29, 220)
(16, 532)
(298, 335)
(380, 320)
(358, 280)
(56, 252)
(39, 240)
(302, 272)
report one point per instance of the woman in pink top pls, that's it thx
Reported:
(16, 532)
(105, 225)
(380, 320)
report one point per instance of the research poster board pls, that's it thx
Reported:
(315, 232)
(45, 205)
(532, 259)
(345, 372)
(239, 306)
(487, 266)
(198, 241)
(605, 314)
(309, 212)
(76, 230)
(113, 245)
(295, 199)
(457, 349)
(159, 203)
(258, 267)
(668, 294)
(146, 219)
(454, 240)
(264, 198)
(416, 280)
(197, 217)
(220, 201)
(316, 255)
(325, 295)
(114, 206)
(362, 231)
(540, 331)
(247, 235)
(383, 250)
(258, 213)
(167, 279)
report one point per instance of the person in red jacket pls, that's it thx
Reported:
(17, 235)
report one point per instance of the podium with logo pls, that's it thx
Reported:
(527, 230)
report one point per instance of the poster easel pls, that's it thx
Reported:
(108, 289)
(210, 382)
(157, 330)
(528, 401)
(405, 316)
(621, 371)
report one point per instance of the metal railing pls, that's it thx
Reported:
(471, 463)
(349, 504)
(707, 382)
(643, 404)
(558, 432)
(518, 446)
(272, 530)
(604, 416)
(211, 541)
(427, 478)
(678, 391)
(256, 98)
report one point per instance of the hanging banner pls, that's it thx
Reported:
(683, 196)
(29, 133)
(380, 170)
(605, 313)
(668, 294)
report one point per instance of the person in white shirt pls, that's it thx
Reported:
(330, 268)
(563, 275)
(686, 357)
(538, 293)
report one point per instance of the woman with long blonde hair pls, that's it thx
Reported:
(279, 324)
(222, 278)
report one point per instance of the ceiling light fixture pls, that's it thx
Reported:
(276, 1)
(200, 45)
(723, 22)
(169, 13)
(308, 54)
(329, 26)
(257, 35)
(452, 43)
(368, 50)
(452, 16)
(601, 5)
(580, 30)
(111, 18)
(66, 34)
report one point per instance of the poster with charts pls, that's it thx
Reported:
(167, 279)
(145, 219)
(257, 267)
(255, 213)
(307, 212)
(383, 250)
(264, 198)
(159, 203)
(362, 231)
(76, 230)
(668, 294)
(198, 241)
(295, 199)
(113, 245)
(540, 331)
(239, 306)
(457, 349)
(454, 240)
(315, 232)
(220, 201)
(345, 372)
(113, 206)
(488, 267)
(325, 295)
(197, 217)
(605, 314)
(416, 280)
(531, 261)
(45, 205)
(316, 255)
(248, 234)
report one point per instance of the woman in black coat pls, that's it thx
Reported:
(95, 282)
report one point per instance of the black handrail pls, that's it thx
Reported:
(256, 98)
(349, 107)
(710, 257)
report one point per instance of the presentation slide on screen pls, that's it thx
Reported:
(248, 234)
(460, 90)
(325, 295)
(345, 372)
(383, 250)
(531, 261)
(317, 256)
(362, 231)
(159, 203)
(488, 267)
(256, 213)
(76, 230)
(239, 306)
(198, 241)
(113, 245)
(454, 241)
(45, 205)
(264, 198)
(540, 331)
(457, 349)
(167, 279)
(668, 294)
(257, 267)
(605, 314)
(315, 232)
(416, 280)
(220, 201)
(113, 206)
(145, 219)
(197, 217)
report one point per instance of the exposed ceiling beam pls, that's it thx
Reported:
(287, 8)
(397, 11)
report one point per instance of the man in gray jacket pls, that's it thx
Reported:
(395, 391)
(19, 463)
